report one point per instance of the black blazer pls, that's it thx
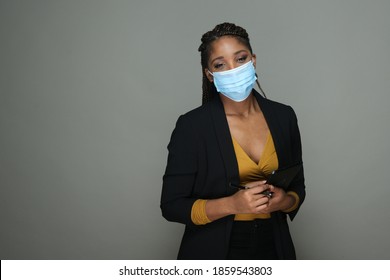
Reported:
(202, 163)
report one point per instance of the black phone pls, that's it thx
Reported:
(283, 177)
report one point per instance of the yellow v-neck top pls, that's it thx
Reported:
(249, 171)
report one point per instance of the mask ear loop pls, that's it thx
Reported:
(258, 84)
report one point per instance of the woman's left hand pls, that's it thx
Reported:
(280, 200)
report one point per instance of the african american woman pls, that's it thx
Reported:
(220, 155)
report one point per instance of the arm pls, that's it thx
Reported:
(180, 173)
(298, 184)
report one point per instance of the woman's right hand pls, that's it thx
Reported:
(251, 200)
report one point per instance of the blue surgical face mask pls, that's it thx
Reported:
(236, 83)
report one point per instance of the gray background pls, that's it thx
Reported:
(90, 92)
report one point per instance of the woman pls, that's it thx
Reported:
(237, 137)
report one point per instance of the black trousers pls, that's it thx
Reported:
(252, 240)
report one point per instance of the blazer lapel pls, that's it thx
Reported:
(275, 127)
(226, 147)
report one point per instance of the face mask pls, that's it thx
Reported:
(236, 83)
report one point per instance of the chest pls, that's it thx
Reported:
(250, 133)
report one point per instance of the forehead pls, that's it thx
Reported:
(226, 44)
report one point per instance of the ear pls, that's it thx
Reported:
(254, 60)
(208, 75)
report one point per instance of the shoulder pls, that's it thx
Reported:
(277, 114)
(278, 107)
(197, 112)
(197, 117)
(190, 131)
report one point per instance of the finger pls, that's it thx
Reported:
(261, 208)
(262, 200)
(267, 203)
(263, 194)
(255, 184)
(257, 189)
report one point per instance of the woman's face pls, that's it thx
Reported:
(227, 53)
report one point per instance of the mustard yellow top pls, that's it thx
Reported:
(248, 171)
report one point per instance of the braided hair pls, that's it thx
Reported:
(223, 29)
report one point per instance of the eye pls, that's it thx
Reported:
(218, 65)
(242, 58)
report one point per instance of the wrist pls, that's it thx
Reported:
(229, 205)
(218, 208)
(288, 202)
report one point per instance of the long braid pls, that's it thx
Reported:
(223, 29)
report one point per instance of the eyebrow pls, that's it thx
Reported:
(221, 57)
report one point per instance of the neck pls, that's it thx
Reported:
(243, 108)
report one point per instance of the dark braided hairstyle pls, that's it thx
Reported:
(223, 29)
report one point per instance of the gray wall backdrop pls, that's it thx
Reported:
(90, 92)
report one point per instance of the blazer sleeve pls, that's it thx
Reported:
(180, 174)
(298, 184)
